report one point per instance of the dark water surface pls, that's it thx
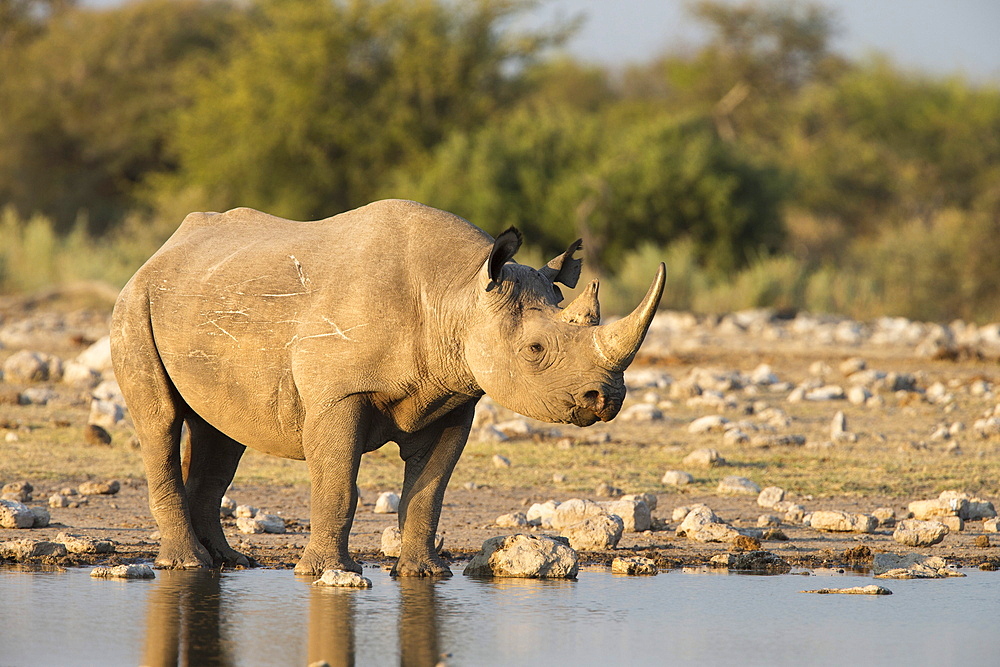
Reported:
(271, 617)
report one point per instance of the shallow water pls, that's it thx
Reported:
(271, 617)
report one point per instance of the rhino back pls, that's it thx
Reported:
(255, 317)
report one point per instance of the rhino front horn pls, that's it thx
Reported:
(618, 342)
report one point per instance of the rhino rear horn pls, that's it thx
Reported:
(503, 251)
(585, 309)
(565, 268)
(618, 342)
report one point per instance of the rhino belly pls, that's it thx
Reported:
(249, 397)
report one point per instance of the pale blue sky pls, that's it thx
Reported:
(938, 36)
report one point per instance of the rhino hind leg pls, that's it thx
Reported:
(214, 458)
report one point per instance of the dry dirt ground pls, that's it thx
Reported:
(895, 437)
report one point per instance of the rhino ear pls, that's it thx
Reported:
(503, 251)
(565, 268)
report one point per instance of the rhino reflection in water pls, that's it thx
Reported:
(322, 340)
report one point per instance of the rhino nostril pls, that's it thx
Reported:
(593, 398)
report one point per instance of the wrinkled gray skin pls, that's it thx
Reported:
(320, 341)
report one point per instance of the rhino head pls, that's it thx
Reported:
(549, 363)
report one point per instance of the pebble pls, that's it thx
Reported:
(387, 503)
(109, 488)
(245, 511)
(123, 572)
(512, 520)
(677, 478)
(641, 413)
(916, 533)
(634, 565)
(14, 514)
(770, 496)
(836, 521)
(705, 457)
(96, 435)
(736, 485)
(540, 514)
(708, 424)
(261, 523)
(343, 579)
(605, 490)
(500, 461)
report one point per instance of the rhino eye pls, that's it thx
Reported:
(536, 348)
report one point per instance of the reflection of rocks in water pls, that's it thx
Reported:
(183, 620)
(418, 623)
(331, 626)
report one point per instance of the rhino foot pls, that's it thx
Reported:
(424, 567)
(316, 564)
(230, 557)
(176, 556)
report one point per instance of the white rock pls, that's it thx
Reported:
(574, 511)
(107, 414)
(19, 550)
(246, 511)
(634, 565)
(500, 461)
(78, 544)
(634, 513)
(343, 579)
(649, 498)
(694, 518)
(768, 521)
(109, 390)
(540, 514)
(524, 556)
(704, 457)
(991, 526)
(770, 496)
(82, 377)
(595, 533)
(842, 522)
(911, 566)
(830, 392)
(227, 507)
(271, 523)
(677, 478)
(936, 508)
(42, 517)
(387, 503)
(512, 520)
(707, 424)
(37, 396)
(97, 356)
(858, 395)
(736, 485)
(15, 515)
(641, 412)
(916, 533)
(763, 375)
(123, 572)
(516, 429)
(25, 367)
(853, 365)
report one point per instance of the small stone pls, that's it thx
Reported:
(15, 515)
(768, 521)
(735, 436)
(858, 395)
(982, 541)
(991, 526)
(595, 533)
(794, 513)
(871, 589)
(916, 533)
(677, 478)
(705, 457)
(123, 572)
(746, 543)
(58, 500)
(42, 517)
(642, 413)
(911, 566)
(76, 544)
(342, 579)
(80, 376)
(500, 461)
(512, 520)
(271, 523)
(246, 511)
(605, 490)
(736, 485)
(227, 508)
(708, 424)
(634, 513)
(634, 565)
(574, 511)
(540, 514)
(249, 525)
(955, 523)
(886, 517)
(935, 508)
(96, 435)
(842, 522)
(17, 491)
(19, 550)
(100, 488)
(558, 478)
(106, 414)
(770, 496)
(853, 365)
(25, 367)
(524, 556)
(829, 392)
(649, 498)
(387, 503)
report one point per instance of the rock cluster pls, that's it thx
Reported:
(343, 579)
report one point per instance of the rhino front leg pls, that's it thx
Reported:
(333, 444)
(430, 460)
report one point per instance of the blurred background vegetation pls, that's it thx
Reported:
(766, 169)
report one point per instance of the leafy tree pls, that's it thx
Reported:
(87, 104)
(321, 100)
(615, 181)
